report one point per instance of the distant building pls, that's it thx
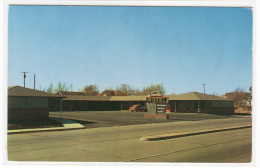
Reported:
(69, 93)
(112, 93)
(241, 99)
(29, 104)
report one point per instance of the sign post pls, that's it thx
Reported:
(156, 105)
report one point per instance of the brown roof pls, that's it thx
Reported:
(195, 96)
(21, 91)
(185, 96)
(111, 93)
(70, 93)
(106, 98)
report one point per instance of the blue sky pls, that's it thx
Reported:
(180, 47)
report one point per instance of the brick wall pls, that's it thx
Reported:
(220, 110)
(28, 114)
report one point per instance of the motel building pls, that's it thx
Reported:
(29, 104)
(192, 102)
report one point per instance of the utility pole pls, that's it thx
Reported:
(24, 76)
(34, 81)
(204, 87)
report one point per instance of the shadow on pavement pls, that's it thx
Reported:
(84, 122)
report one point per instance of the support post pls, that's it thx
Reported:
(199, 107)
(60, 108)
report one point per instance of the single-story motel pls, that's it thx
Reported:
(34, 104)
(29, 104)
(187, 102)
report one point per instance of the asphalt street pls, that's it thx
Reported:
(122, 143)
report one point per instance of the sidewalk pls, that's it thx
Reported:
(68, 124)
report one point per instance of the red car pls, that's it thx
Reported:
(137, 108)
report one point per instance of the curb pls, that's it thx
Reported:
(66, 127)
(177, 135)
(69, 118)
(39, 130)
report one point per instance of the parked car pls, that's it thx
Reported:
(137, 108)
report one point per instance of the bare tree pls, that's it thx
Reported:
(125, 89)
(91, 90)
(128, 90)
(153, 87)
(239, 96)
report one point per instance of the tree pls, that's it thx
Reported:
(44, 89)
(91, 90)
(239, 96)
(153, 87)
(250, 98)
(61, 87)
(128, 90)
(109, 88)
(50, 89)
(124, 88)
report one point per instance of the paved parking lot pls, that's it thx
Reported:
(94, 119)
